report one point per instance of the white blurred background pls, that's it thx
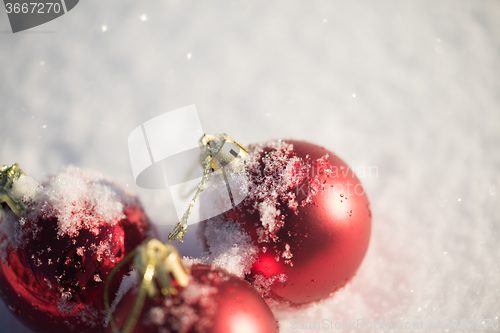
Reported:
(411, 87)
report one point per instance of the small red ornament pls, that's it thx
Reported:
(198, 299)
(308, 216)
(56, 255)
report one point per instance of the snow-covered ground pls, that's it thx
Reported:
(409, 88)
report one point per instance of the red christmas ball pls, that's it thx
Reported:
(56, 257)
(307, 219)
(212, 301)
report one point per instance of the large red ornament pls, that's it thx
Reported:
(210, 301)
(308, 216)
(56, 257)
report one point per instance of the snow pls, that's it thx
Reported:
(425, 116)
(25, 188)
(128, 281)
(278, 178)
(229, 247)
(82, 199)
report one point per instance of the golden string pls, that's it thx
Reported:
(181, 227)
(211, 163)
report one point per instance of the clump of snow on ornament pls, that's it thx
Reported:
(82, 199)
(25, 188)
(229, 246)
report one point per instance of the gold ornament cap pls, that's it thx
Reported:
(228, 152)
(7, 177)
(158, 265)
(161, 262)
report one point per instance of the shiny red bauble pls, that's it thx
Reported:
(55, 259)
(309, 217)
(214, 301)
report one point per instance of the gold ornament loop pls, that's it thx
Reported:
(7, 177)
(220, 151)
(155, 262)
(163, 262)
(225, 153)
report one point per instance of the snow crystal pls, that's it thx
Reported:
(127, 283)
(189, 261)
(191, 309)
(12, 233)
(229, 247)
(263, 285)
(287, 254)
(87, 314)
(275, 172)
(156, 316)
(103, 249)
(196, 292)
(82, 199)
(25, 188)
(64, 305)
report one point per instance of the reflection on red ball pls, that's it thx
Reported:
(54, 280)
(214, 301)
(321, 226)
